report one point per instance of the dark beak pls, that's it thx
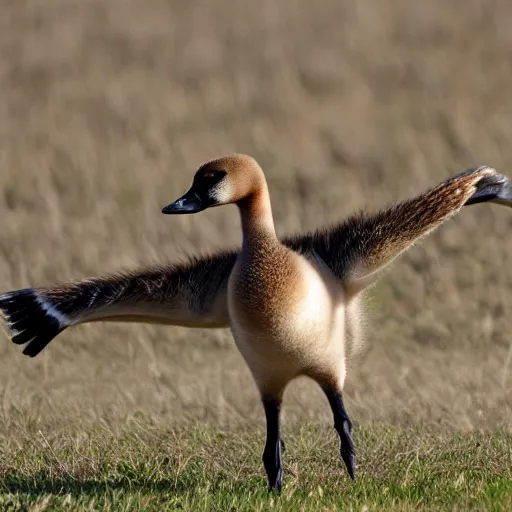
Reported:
(189, 203)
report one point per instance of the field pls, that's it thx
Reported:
(106, 110)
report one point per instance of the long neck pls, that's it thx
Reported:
(257, 221)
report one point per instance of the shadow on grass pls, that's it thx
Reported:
(42, 483)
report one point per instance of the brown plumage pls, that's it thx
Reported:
(293, 305)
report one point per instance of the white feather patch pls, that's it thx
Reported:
(222, 193)
(52, 311)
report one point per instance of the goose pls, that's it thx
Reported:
(293, 305)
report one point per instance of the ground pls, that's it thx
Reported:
(106, 110)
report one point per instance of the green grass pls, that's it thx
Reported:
(147, 467)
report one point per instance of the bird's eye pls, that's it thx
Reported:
(208, 179)
(213, 177)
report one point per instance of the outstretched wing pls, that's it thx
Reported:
(190, 294)
(360, 249)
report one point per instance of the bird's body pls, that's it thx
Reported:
(293, 306)
(285, 310)
(287, 317)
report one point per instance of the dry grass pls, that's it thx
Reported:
(107, 107)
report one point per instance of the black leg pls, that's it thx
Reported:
(343, 426)
(273, 445)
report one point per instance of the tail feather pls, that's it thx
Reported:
(30, 320)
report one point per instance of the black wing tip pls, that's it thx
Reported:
(492, 187)
(28, 321)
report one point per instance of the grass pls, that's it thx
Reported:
(149, 467)
(107, 108)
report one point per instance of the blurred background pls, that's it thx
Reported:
(108, 107)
